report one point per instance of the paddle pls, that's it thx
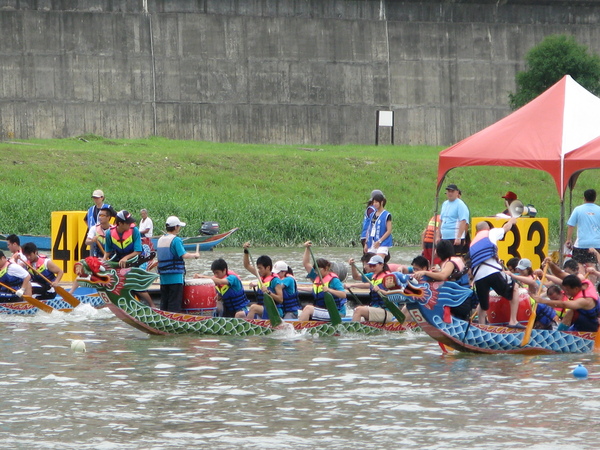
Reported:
(531, 322)
(354, 296)
(32, 301)
(67, 296)
(269, 303)
(390, 305)
(334, 314)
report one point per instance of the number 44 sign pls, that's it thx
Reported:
(528, 238)
(68, 233)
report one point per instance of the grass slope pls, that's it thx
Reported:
(278, 195)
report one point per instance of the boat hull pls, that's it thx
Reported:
(157, 322)
(25, 309)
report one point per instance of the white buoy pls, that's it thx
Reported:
(78, 346)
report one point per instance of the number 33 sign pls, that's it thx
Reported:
(528, 238)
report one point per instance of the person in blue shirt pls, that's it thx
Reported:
(586, 218)
(454, 221)
(171, 266)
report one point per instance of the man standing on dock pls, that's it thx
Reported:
(454, 220)
(586, 218)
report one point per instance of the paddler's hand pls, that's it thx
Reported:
(20, 292)
(351, 261)
(418, 275)
(252, 285)
(123, 262)
(307, 244)
(246, 245)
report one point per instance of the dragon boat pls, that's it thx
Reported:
(117, 285)
(429, 304)
(25, 309)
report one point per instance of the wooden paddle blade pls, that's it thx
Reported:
(391, 306)
(334, 314)
(67, 296)
(529, 328)
(38, 304)
(272, 311)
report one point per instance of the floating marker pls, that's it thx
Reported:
(580, 372)
(79, 346)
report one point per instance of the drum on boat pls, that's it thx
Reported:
(199, 297)
(499, 312)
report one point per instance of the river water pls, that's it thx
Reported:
(285, 391)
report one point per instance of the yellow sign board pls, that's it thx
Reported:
(528, 238)
(68, 232)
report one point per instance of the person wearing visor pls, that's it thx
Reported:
(378, 271)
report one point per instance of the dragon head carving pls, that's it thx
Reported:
(108, 277)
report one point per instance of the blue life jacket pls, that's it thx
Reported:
(233, 300)
(482, 249)
(9, 280)
(168, 261)
(41, 268)
(376, 300)
(291, 302)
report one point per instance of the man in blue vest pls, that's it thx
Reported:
(488, 272)
(171, 267)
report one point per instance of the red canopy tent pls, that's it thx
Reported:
(545, 135)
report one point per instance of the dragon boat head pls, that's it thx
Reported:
(107, 277)
(429, 297)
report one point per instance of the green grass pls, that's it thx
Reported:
(278, 195)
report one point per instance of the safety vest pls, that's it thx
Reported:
(9, 280)
(123, 244)
(587, 319)
(168, 261)
(378, 228)
(233, 300)
(319, 295)
(434, 223)
(377, 280)
(266, 282)
(482, 249)
(41, 268)
(291, 302)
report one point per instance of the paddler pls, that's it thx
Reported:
(16, 278)
(229, 288)
(271, 283)
(323, 281)
(376, 312)
(96, 237)
(45, 273)
(583, 305)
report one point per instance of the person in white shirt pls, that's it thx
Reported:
(146, 225)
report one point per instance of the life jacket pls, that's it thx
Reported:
(168, 261)
(233, 300)
(377, 280)
(41, 268)
(587, 319)
(482, 249)
(291, 302)
(434, 223)
(459, 276)
(266, 282)
(123, 244)
(9, 280)
(378, 228)
(319, 295)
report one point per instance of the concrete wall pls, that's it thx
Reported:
(270, 71)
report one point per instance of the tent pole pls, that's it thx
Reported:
(561, 231)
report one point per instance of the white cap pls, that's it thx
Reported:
(524, 264)
(376, 259)
(98, 193)
(173, 221)
(280, 266)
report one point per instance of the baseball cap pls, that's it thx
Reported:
(173, 221)
(280, 266)
(375, 192)
(98, 193)
(452, 187)
(375, 260)
(524, 264)
(124, 216)
(510, 196)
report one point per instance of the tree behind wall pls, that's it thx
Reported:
(553, 58)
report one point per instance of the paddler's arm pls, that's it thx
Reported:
(306, 258)
(246, 260)
(339, 292)
(278, 294)
(554, 269)
(580, 303)
(355, 275)
(26, 286)
(53, 267)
